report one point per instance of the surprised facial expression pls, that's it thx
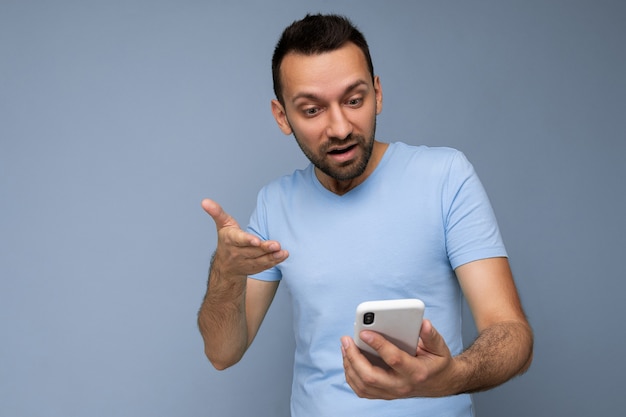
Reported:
(330, 106)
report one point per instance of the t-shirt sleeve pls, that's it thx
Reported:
(472, 231)
(258, 226)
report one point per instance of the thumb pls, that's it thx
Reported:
(220, 217)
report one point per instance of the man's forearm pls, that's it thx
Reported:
(222, 319)
(499, 353)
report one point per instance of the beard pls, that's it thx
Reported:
(347, 170)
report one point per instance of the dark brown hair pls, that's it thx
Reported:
(316, 34)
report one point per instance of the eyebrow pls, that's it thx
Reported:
(312, 96)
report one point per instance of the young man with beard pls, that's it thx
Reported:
(365, 220)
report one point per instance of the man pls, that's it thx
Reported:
(366, 220)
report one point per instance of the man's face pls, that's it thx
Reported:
(330, 106)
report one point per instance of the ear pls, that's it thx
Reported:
(378, 90)
(281, 117)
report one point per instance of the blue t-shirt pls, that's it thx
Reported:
(400, 234)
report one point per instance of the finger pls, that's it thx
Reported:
(270, 246)
(262, 254)
(365, 379)
(264, 262)
(352, 363)
(360, 364)
(431, 341)
(220, 217)
(393, 356)
(233, 235)
(353, 359)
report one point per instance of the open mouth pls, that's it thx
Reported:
(342, 150)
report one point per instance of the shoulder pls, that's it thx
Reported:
(298, 181)
(435, 153)
(422, 157)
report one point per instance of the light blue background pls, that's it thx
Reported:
(118, 117)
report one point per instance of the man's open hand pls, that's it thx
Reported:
(239, 253)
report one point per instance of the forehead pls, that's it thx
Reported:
(323, 74)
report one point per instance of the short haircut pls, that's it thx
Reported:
(316, 34)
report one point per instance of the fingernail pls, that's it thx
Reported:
(366, 337)
(344, 342)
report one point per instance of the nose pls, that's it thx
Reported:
(339, 126)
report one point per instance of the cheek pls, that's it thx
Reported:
(366, 122)
(309, 133)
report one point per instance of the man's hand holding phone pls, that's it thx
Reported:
(425, 373)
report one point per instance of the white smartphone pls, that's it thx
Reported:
(399, 321)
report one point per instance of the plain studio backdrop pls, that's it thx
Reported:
(118, 117)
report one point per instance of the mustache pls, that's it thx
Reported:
(349, 140)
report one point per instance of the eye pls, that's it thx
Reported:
(311, 111)
(355, 102)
